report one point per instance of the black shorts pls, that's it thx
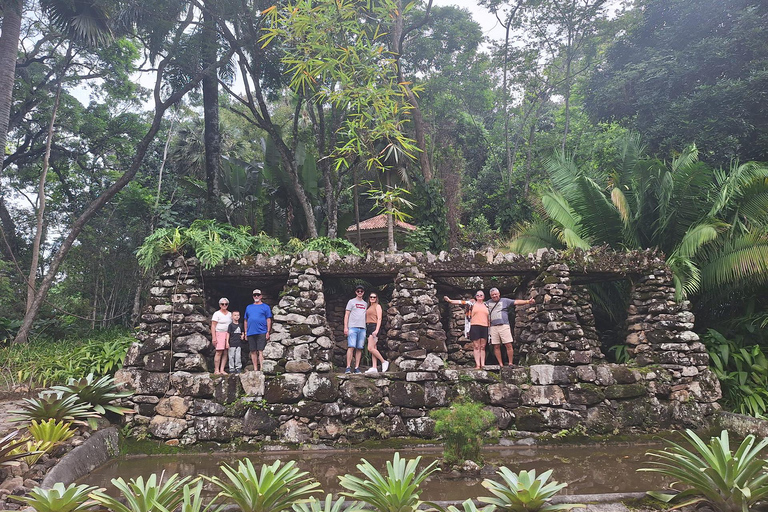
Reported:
(369, 328)
(477, 332)
(257, 342)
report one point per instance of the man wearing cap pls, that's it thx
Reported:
(354, 328)
(258, 323)
(500, 331)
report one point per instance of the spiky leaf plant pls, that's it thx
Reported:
(192, 500)
(72, 498)
(57, 407)
(728, 481)
(155, 495)
(469, 506)
(98, 393)
(327, 505)
(11, 450)
(524, 492)
(397, 491)
(51, 431)
(275, 488)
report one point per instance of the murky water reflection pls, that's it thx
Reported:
(587, 469)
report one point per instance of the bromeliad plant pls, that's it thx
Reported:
(275, 488)
(12, 449)
(154, 495)
(72, 498)
(728, 481)
(327, 505)
(525, 492)
(398, 491)
(56, 407)
(51, 431)
(96, 393)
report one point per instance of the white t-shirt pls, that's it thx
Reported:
(223, 319)
(356, 308)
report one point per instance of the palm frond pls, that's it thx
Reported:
(738, 262)
(696, 237)
(533, 236)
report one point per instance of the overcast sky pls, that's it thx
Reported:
(491, 27)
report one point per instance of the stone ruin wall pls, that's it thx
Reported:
(301, 397)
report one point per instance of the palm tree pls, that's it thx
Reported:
(710, 223)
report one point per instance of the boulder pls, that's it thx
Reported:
(361, 392)
(166, 427)
(407, 394)
(503, 417)
(421, 427)
(330, 428)
(323, 388)
(173, 406)
(218, 428)
(543, 395)
(294, 431)
(203, 407)
(285, 389)
(253, 383)
(193, 384)
(155, 342)
(158, 361)
(438, 394)
(226, 389)
(141, 382)
(585, 394)
(259, 422)
(505, 395)
(195, 343)
(191, 363)
(432, 363)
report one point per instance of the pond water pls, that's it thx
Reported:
(587, 469)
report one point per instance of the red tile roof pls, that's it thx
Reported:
(380, 222)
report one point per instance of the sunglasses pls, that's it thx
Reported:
(223, 303)
(257, 295)
(359, 291)
(372, 297)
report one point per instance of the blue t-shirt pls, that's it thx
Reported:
(256, 316)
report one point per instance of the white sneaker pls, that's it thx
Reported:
(371, 370)
(384, 366)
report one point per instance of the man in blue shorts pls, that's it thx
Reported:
(354, 328)
(258, 323)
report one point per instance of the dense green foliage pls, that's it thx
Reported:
(39, 362)
(72, 498)
(463, 426)
(711, 472)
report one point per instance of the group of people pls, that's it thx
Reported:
(227, 335)
(362, 321)
(489, 319)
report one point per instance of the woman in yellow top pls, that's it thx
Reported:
(373, 316)
(479, 320)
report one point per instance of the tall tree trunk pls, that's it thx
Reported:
(9, 47)
(212, 133)
(39, 227)
(161, 106)
(356, 194)
(397, 36)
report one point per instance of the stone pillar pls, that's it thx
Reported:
(660, 330)
(301, 340)
(414, 319)
(552, 332)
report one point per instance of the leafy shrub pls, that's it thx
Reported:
(277, 487)
(469, 506)
(398, 491)
(72, 498)
(324, 245)
(728, 481)
(742, 371)
(99, 393)
(40, 362)
(56, 407)
(154, 495)
(524, 492)
(462, 426)
(51, 431)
